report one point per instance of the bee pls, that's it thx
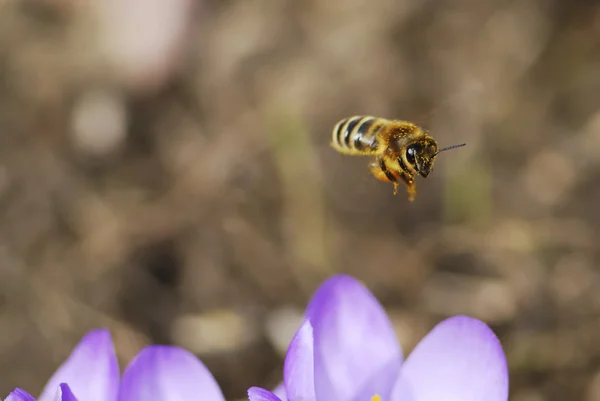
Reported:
(401, 149)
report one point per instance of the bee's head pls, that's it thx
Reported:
(421, 155)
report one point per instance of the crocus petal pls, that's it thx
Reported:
(92, 370)
(168, 373)
(279, 391)
(298, 369)
(19, 395)
(357, 354)
(461, 359)
(260, 394)
(64, 393)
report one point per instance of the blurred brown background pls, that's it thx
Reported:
(165, 172)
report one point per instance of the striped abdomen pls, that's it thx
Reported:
(357, 135)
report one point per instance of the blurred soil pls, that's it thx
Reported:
(180, 189)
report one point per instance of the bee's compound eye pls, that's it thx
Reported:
(411, 152)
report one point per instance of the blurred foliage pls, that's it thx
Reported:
(165, 172)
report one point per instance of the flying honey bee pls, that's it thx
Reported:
(401, 149)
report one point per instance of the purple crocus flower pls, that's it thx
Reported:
(347, 350)
(158, 372)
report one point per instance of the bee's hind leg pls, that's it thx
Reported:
(380, 171)
(410, 186)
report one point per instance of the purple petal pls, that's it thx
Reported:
(260, 394)
(279, 391)
(357, 354)
(298, 369)
(19, 395)
(64, 393)
(461, 359)
(92, 370)
(168, 373)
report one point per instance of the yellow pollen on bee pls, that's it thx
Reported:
(376, 398)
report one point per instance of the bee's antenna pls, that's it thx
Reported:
(450, 147)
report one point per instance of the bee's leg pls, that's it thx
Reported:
(410, 186)
(380, 171)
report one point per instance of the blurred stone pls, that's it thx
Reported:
(142, 40)
(281, 325)
(214, 332)
(99, 123)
